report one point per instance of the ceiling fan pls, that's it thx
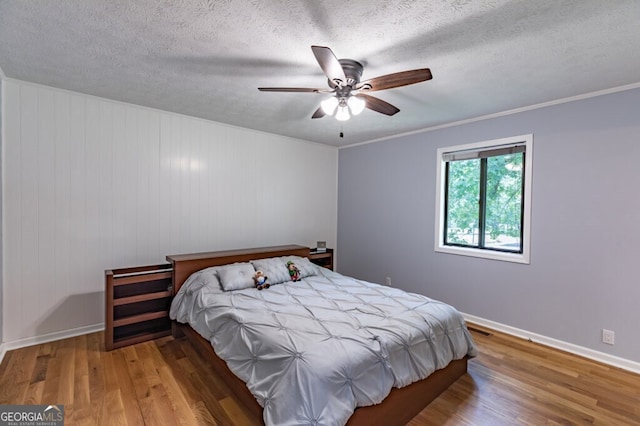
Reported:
(350, 94)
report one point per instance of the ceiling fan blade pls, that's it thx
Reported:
(378, 105)
(319, 113)
(329, 64)
(292, 89)
(397, 79)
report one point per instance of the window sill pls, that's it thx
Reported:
(485, 254)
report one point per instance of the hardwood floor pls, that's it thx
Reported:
(165, 382)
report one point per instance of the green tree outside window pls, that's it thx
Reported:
(484, 202)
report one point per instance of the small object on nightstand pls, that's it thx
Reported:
(322, 258)
(321, 247)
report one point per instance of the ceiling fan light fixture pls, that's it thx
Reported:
(343, 77)
(343, 113)
(356, 105)
(329, 105)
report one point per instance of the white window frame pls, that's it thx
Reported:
(523, 257)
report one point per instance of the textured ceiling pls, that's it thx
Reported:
(207, 58)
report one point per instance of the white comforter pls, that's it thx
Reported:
(312, 351)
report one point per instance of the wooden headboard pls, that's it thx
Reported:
(186, 264)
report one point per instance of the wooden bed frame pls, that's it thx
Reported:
(400, 406)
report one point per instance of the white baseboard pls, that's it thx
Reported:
(625, 364)
(3, 350)
(58, 335)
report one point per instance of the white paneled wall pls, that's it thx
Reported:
(91, 184)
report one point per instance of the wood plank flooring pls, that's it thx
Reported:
(165, 382)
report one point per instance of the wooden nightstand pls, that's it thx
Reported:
(137, 304)
(324, 259)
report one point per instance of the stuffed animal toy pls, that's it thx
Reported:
(260, 279)
(294, 272)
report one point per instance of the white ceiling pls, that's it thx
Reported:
(207, 58)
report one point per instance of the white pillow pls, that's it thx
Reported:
(236, 276)
(306, 267)
(275, 268)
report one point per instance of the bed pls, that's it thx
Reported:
(321, 350)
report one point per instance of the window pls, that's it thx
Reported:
(484, 199)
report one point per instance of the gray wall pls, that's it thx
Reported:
(585, 223)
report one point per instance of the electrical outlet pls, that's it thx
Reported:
(388, 281)
(608, 337)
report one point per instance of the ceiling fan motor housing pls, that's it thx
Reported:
(352, 70)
